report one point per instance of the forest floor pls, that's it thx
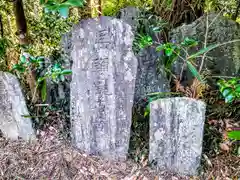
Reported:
(51, 157)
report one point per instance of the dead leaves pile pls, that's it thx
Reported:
(223, 127)
(52, 158)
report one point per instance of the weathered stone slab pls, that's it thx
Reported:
(13, 108)
(151, 76)
(102, 88)
(221, 61)
(149, 79)
(130, 15)
(176, 133)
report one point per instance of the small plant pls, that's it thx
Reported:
(147, 25)
(172, 52)
(55, 72)
(142, 41)
(29, 63)
(230, 89)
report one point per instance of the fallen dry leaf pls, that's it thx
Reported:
(224, 147)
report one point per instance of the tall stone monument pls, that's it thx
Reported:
(102, 88)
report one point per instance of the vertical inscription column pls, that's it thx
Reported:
(102, 87)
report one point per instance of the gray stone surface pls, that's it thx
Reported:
(223, 61)
(67, 49)
(176, 133)
(12, 109)
(130, 15)
(102, 88)
(151, 76)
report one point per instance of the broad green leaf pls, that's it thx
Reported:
(64, 11)
(54, 76)
(145, 41)
(234, 135)
(168, 51)
(15, 66)
(44, 91)
(237, 88)
(171, 60)
(189, 42)
(156, 29)
(150, 99)
(149, 39)
(146, 113)
(66, 72)
(42, 2)
(19, 68)
(40, 64)
(57, 66)
(194, 71)
(52, 7)
(50, 2)
(40, 58)
(222, 87)
(40, 79)
(32, 59)
(160, 47)
(62, 78)
(220, 82)
(202, 51)
(226, 91)
(229, 98)
(232, 81)
(147, 110)
(23, 59)
(46, 10)
(156, 93)
(156, 97)
(74, 3)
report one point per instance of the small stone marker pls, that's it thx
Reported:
(13, 108)
(176, 134)
(102, 88)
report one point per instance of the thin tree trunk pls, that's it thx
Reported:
(20, 21)
(237, 11)
(1, 26)
(23, 40)
(99, 7)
